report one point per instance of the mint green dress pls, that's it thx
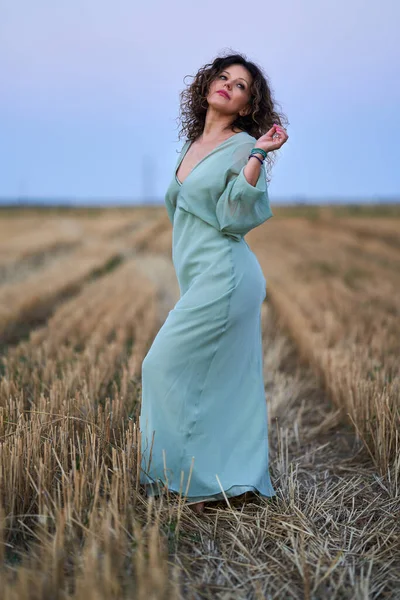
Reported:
(203, 402)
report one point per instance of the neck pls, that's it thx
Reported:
(217, 126)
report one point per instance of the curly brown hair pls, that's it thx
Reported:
(193, 102)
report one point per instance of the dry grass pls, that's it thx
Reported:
(73, 518)
(36, 241)
(339, 297)
(29, 299)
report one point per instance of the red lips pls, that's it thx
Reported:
(224, 93)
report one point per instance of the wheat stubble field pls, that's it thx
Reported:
(82, 295)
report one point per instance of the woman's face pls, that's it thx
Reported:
(236, 81)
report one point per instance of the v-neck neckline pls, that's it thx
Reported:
(204, 157)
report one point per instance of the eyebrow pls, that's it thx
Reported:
(225, 71)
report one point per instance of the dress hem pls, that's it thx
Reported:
(231, 492)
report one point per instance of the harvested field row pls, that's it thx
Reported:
(74, 519)
(73, 382)
(45, 240)
(28, 303)
(346, 239)
(148, 235)
(343, 309)
(85, 338)
(386, 230)
(331, 534)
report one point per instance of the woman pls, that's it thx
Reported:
(203, 417)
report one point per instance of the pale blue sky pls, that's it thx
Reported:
(89, 92)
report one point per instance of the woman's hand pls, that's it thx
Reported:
(273, 139)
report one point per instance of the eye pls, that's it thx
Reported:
(243, 86)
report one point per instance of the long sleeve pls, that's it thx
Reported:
(242, 206)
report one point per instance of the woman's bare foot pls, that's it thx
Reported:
(198, 507)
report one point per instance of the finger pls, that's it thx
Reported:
(281, 130)
(278, 134)
(280, 139)
(271, 131)
(282, 134)
(281, 142)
